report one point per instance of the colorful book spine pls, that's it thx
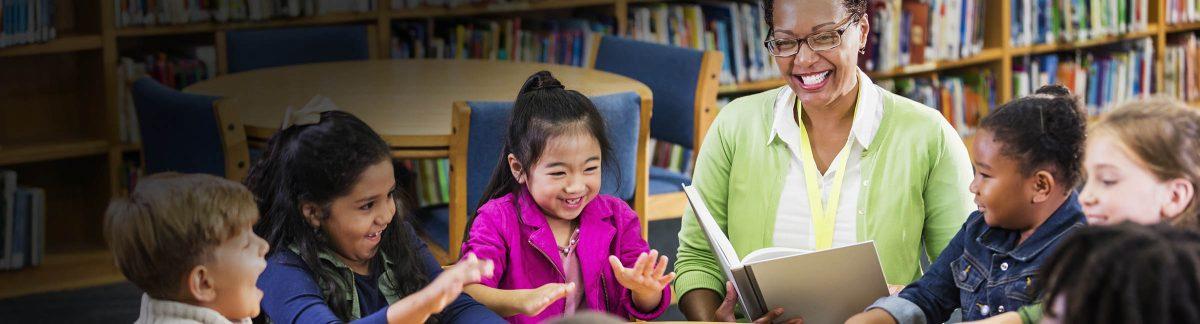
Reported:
(176, 12)
(562, 41)
(962, 98)
(1103, 78)
(1181, 67)
(1058, 21)
(26, 22)
(735, 29)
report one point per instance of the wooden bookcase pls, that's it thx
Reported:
(58, 107)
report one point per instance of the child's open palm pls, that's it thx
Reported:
(646, 276)
(538, 299)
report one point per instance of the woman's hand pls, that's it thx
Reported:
(533, 301)
(645, 279)
(725, 311)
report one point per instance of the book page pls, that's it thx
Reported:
(769, 253)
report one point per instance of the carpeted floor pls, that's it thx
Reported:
(118, 303)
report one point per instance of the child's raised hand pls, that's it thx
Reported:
(646, 275)
(534, 301)
(447, 286)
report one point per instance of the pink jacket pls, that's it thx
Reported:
(526, 255)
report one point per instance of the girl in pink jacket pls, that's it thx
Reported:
(558, 245)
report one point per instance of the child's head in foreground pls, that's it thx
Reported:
(188, 238)
(1126, 273)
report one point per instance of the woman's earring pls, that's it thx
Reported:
(862, 50)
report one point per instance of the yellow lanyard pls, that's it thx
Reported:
(823, 218)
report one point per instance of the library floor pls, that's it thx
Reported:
(118, 303)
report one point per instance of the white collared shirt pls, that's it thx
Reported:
(793, 220)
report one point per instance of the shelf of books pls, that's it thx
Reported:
(63, 270)
(410, 9)
(54, 46)
(164, 18)
(1183, 27)
(27, 153)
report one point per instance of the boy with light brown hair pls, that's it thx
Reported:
(186, 240)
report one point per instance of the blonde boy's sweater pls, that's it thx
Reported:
(157, 311)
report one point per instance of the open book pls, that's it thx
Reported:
(825, 286)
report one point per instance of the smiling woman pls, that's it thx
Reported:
(829, 160)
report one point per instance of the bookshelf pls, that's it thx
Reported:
(30, 153)
(58, 45)
(64, 136)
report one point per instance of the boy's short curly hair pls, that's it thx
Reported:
(171, 223)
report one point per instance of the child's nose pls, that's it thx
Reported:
(263, 246)
(1087, 196)
(575, 185)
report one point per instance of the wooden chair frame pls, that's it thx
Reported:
(233, 142)
(672, 205)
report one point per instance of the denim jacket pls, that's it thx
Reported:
(983, 270)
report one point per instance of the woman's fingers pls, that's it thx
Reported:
(770, 316)
(724, 312)
(730, 294)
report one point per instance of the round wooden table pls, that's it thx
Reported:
(408, 102)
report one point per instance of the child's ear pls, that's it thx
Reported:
(200, 285)
(515, 167)
(312, 213)
(1043, 184)
(1179, 195)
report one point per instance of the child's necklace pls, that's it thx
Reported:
(566, 250)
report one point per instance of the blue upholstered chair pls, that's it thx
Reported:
(188, 133)
(684, 83)
(477, 139)
(264, 48)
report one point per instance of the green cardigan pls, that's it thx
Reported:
(916, 173)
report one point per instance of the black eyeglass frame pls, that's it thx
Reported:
(803, 41)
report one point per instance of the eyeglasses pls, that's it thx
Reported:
(818, 41)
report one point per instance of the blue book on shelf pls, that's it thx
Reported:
(1050, 66)
(1039, 22)
(962, 45)
(1093, 83)
(721, 16)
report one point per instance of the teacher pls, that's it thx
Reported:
(829, 160)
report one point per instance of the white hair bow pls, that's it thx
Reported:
(310, 114)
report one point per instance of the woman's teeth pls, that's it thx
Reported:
(376, 234)
(574, 201)
(815, 78)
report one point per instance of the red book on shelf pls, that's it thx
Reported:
(918, 30)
